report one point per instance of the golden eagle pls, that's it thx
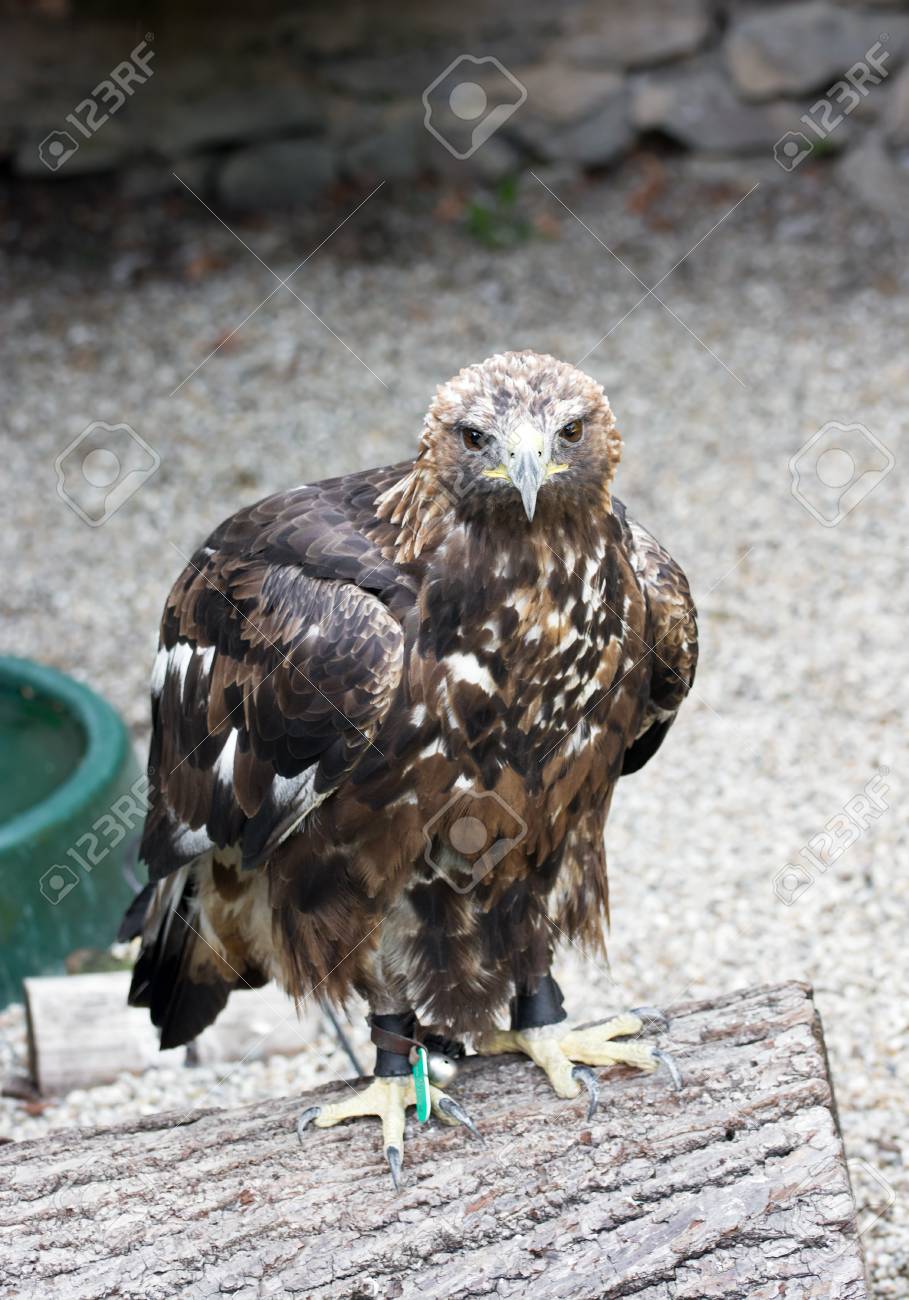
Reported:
(389, 711)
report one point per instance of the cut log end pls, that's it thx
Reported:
(735, 1187)
(82, 1031)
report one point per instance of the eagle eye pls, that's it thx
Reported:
(473, 439)
(572, 431)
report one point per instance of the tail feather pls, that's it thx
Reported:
(134, 916)
(173, 976)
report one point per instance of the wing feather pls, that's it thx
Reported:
(279, 658)
(673, 638)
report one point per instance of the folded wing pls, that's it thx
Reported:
(673, 642)
(269, 686)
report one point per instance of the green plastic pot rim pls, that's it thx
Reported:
(106, 747)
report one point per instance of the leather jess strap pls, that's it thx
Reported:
(387, 1041)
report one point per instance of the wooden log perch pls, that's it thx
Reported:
(735, 1187)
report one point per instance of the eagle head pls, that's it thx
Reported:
(520, 427)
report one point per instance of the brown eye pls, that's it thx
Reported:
(473, 439)
(572, 431)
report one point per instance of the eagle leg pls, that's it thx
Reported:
(387, 1096)
(566, 1054)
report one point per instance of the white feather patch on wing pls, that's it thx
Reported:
(159, 671)
(180, 658)
(177, 660)
(224, 765)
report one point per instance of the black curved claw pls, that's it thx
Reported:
(303, 1123)
(589, 1080)
(672, 1069)
(448, 1106)
(393, 1156)
(651, 1014)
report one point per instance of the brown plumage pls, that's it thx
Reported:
(390, 711)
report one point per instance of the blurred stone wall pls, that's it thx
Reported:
(272, 105)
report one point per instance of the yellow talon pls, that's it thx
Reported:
(388, 1099)
(562, 1053)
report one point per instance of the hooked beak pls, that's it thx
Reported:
(527, 467)
(524, 465)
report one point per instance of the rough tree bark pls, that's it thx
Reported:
(735, 1187)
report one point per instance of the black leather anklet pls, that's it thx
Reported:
(533, 1010)
(393, 1036)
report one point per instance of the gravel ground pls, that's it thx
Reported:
(799, 300)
